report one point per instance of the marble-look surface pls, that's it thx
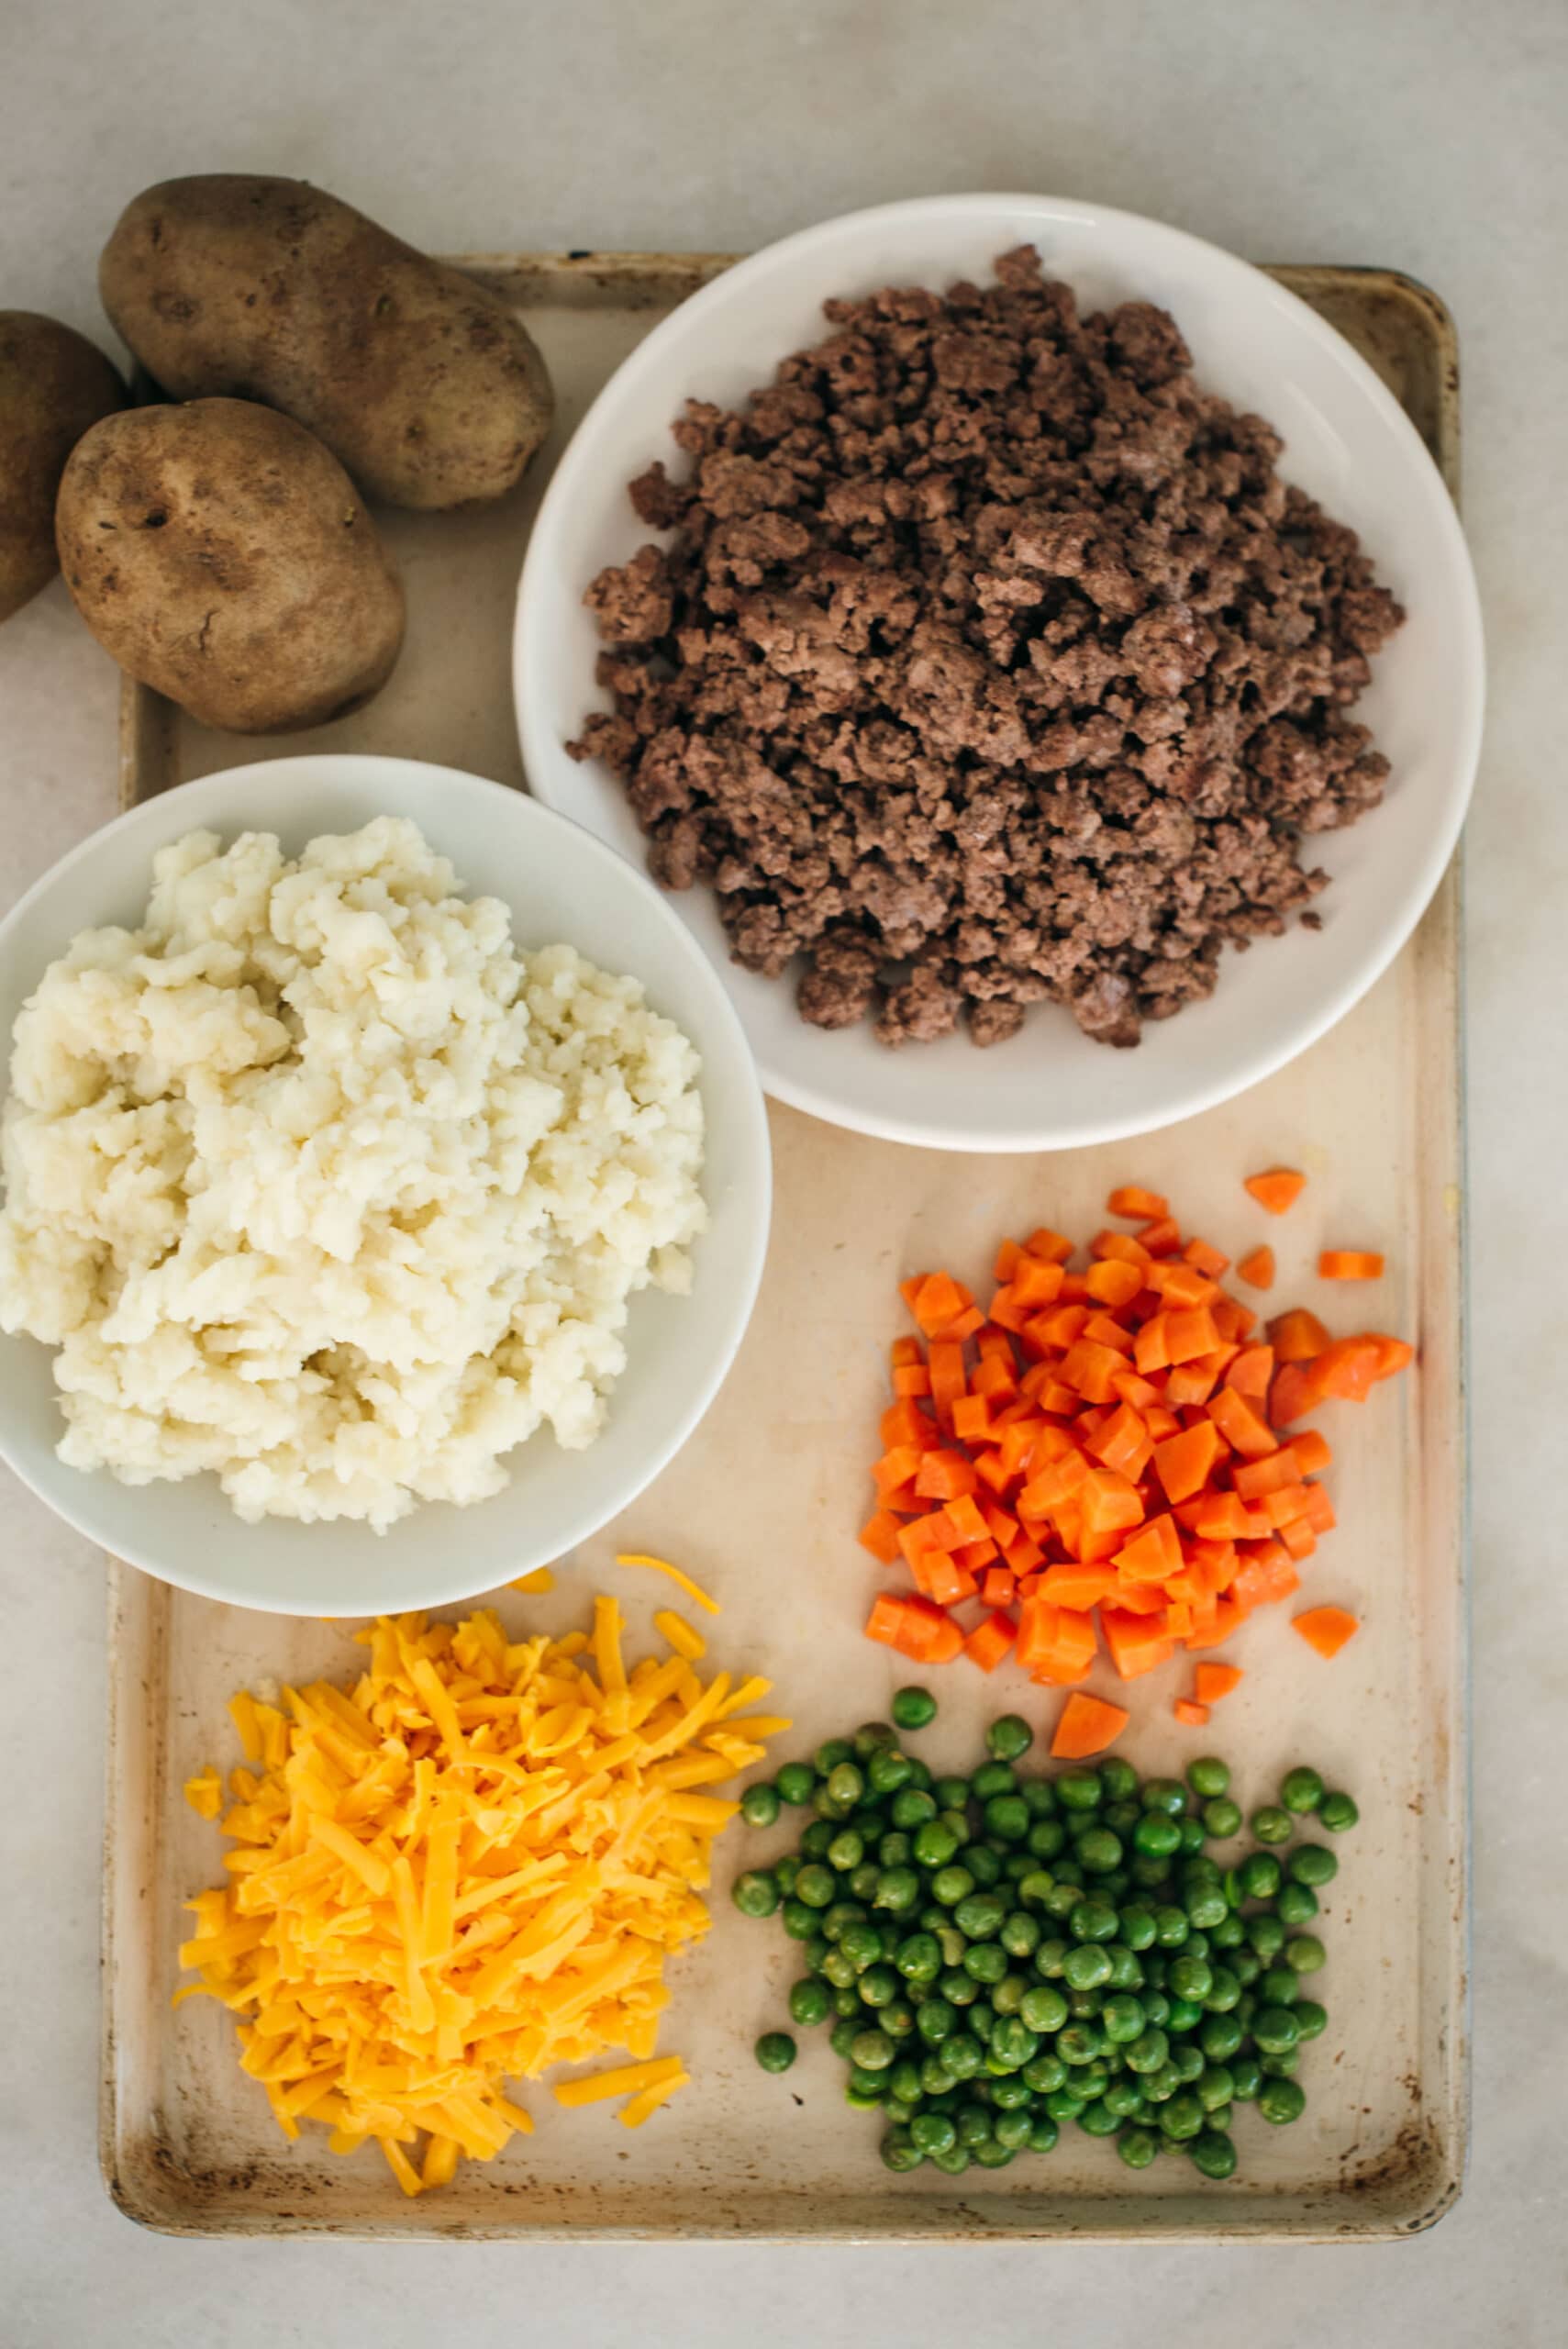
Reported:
(1426, 134)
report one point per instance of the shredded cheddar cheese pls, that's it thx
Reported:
(541, 1579)
(661, 1566)
(469, 1866)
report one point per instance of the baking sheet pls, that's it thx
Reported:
(763, 1504)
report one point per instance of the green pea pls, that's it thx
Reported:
(1012, 2042)
(979, 1915)
(1098, 1851)
(1078, 2043)
(1281, 2101)
(873, 2050)
(952, 1884)
(1191, 1977)
(983, 1865)
(859, 1944)
(1046, 1838)
(962, 1988)
(1068, 1871)
(1224, 1991)
(1157, 2007)
(1208, 1776)
(1148, 1872)
(1337, 1812)
(756, 1893)
(1010, 1737)
(1171, 1927)
(964, 2055)
(1138, 1928)
(933, 2133)
(797, 1783)
(1008, 1996)
(1063, 2105)
(1122, 1818)
(1271, 1825)
(775, 2051)
(1304, 1954)
(846, 1851)
(1127, 1970)
(1145, 2053)
(919, 1959)
(879, 1986)
(951, 1794)
(1229, 1934)
(1311, 2020)
(1043, 2134)
(871, 1737)
(1301, 1790)
(840, 1970)
(1183, 2115)
(1204, 1904)
(898, 2019)
(1084, 2006)
(1296, 1905)
(1266, 1935)
(1123, 2019)
(1312, 1865)
(1222, 1818)
(1079, 1790)
(1213, 2154)
(1042, 2007)
(1097, 2120)
(1007, 1818)
(1049, 1958)
(808, 2001)
(973, 2124)
(799, 1921)
(1124, 2098)
(897, 1890)
(1245, 1966)
(1275, 2029)
(829, 1755)
(1093, 1920)
(1118, 1779)
(759, 1804)
(1282, 2064)
(914, 1707)
(814, 1843)
(899, 2150)
(866, 2091)
(1157, 1834)
(1086, 1966)
(1020, 1933)
(1192, 1832)
(844, 2033)
(985, 1961)
(1246, 2078)
(935, 2019)
(937, 2074)
(889, 1770)
(1138, 2147)
(912, 1808)
(993, 2154)
(993, 1778)
(846, 1784)
(1161, 2084)
(1164, 1794)
(952, 1941)
(1278, 1986)
(785, 1871)
(1216, 2086)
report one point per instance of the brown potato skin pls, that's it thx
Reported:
(421, 382)
(224, 556)
(53, 384)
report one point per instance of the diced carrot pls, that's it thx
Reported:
(913, 1380)
(1053, 1486)
(1291, 1394)
(1257, 1268)
(1297, 1336)
(1228, 1617)
(1074, 1635)
(1113, 1283)
(1090, 1367)
(1325, 1628)
(1254, 1478)
(903, 1423)
(1006, 1312)
(963, 1515)
(1311, 1452)
(1345, 1371)
(991, 1472)
(1061, 1328)
(1190, 1382)
(1154, 1553)
(898, 1466)
(1277, 1189)
(990, 1640)
(1285, 1504)
(1350, 1265)
(1244, 1428)
(1138, 1597)
(1150, 1349)
(1076, 1585)
(906, 1351)
(971, 1420)
(1206, 1259)
(1038, 1619)
(1190, 1332)
(886, 1620)
(1225, 1517)
(1052, 1245)
(1250, 1372)
(1122, 1444)
(879, 1534)
(1141, 1393)
(1036, 1284)
(1160, 1422)
(999, 1586)
(1180, 1284)
(1138, 1643)
(1009, 1255)
(1233, 1319)
(1320, 1514)
(1103, 1330)
(1162, 1237)
(946, 1580)
(1056, 1397)
(947, 1378)
(1396, 1355)
(1191, 1714)
(1086, 1725)
(1184, 1462)
(1110, 1503)
(1300, 1538)
(1119, 1247)
(1179, 1617)
(1138, 1204)
(1214, 1681)
(1215, 1563)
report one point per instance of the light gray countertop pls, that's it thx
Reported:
(1424, 134)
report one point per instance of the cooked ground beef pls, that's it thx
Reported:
(989, 662)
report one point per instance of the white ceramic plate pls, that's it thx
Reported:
(559, 884)
(1348, 442)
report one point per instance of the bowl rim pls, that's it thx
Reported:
(1422, 875)
(750, 1108)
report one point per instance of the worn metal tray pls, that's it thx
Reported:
(1373, 1112)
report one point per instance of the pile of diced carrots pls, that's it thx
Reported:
(1101, 1454)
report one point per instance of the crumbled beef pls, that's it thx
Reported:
(989, 662)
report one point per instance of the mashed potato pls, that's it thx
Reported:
(318, 1182)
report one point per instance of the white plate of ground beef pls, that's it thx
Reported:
(1048, 680)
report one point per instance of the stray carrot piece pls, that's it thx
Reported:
(1277, 1189)
(1257, 1268)
(1345, 1371)
(1206, 1259)
(990, 1641)
(1160, 1238)
(879, 1534)
(1212, 1681)
(1350, 1265)
(1184, 1463)
(1396, 1355)
(1138, 1204)
(1190, 1715)
(1325, 1628)
(1297, 1336)
(1085, 1725)
(1250, 1372)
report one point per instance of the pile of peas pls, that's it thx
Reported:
(997, 1954)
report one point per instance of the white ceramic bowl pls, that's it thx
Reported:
(1348, 442)
(559, 884)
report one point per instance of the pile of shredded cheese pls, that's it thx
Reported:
(470, 1866)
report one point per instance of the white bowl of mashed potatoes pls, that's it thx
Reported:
(385, 1186)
